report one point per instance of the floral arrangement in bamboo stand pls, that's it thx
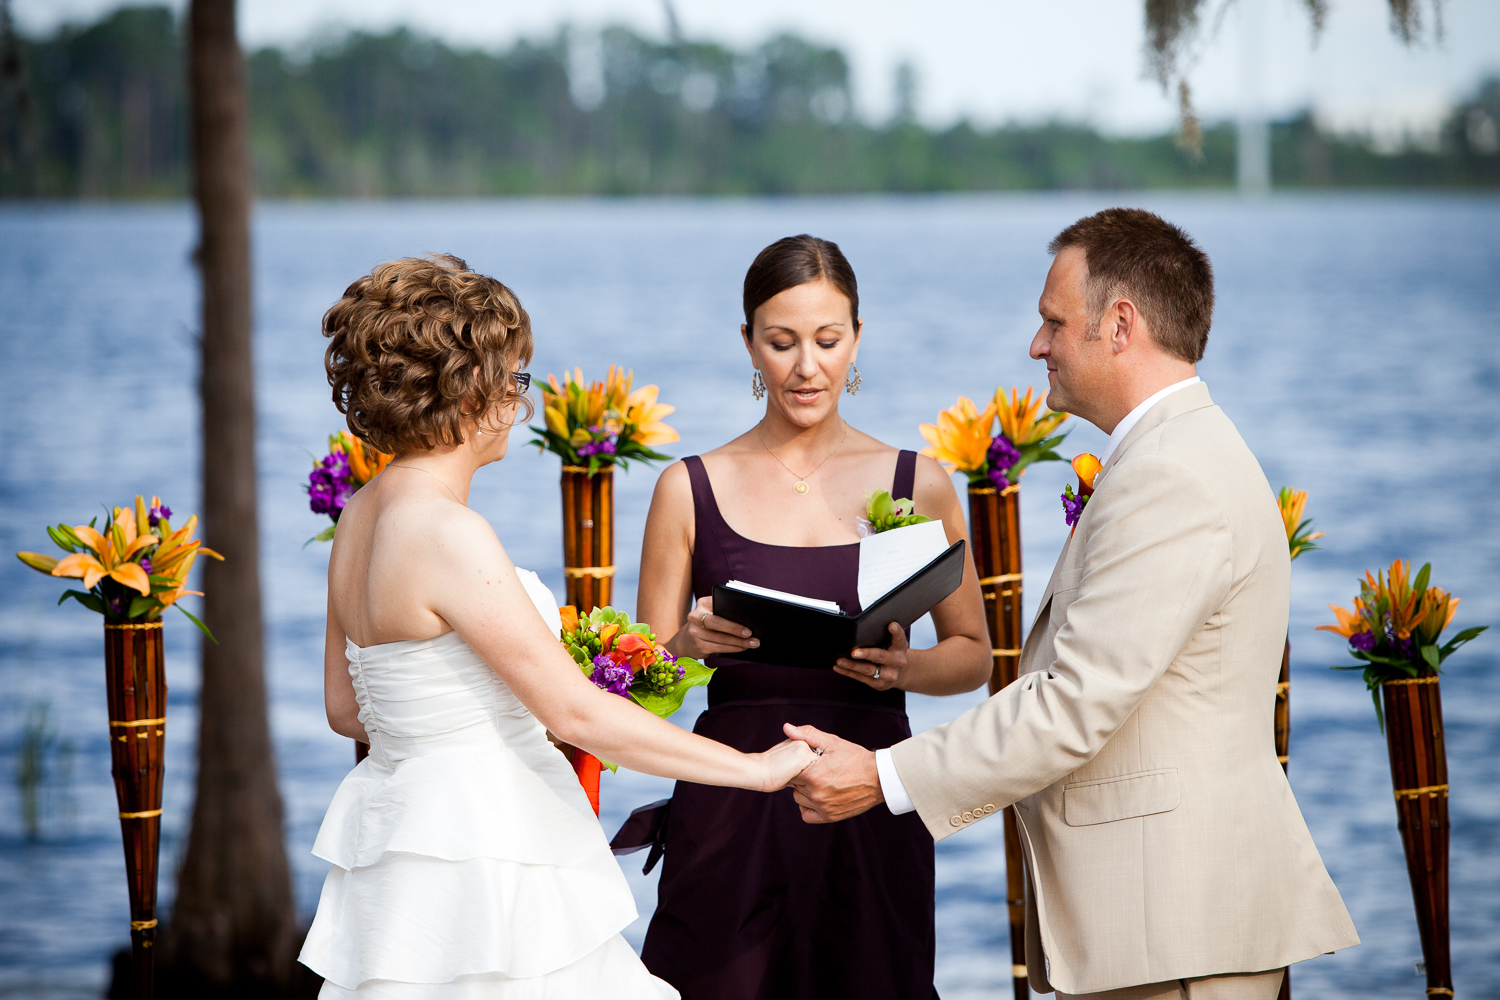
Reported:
(132, 571)
(593, 428)
(965, 439)
(1394, 630)
(624, 658)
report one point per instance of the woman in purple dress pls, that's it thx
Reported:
(754, 904)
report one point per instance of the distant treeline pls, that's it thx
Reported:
(100, 111)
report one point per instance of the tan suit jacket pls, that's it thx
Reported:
(1161, 838)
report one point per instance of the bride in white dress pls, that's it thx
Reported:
(466, 860)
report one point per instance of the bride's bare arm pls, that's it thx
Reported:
(338, 689)
(477, 591)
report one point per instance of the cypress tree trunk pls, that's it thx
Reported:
(233, 926)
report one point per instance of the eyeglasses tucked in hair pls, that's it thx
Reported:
(523, 380)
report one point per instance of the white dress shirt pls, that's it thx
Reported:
(896, 797)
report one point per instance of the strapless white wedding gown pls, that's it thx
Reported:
(467, 862)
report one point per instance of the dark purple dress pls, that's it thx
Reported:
(753, 903)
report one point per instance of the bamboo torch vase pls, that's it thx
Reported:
(1419, 776)
(136, 682)
(588, 507)
(995, 535)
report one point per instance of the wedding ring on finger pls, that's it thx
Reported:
(816, 750)
(876, 675)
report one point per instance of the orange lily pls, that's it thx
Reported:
(569, 615)
(607, 637)
(1021, 419)
(1350, 622)
(111, 557)
(645, 414)
(961, 438)
(365, 460)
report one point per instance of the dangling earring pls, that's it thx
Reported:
(852, 381)
(758, 385)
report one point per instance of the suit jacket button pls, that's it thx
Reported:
(956, 820)
(968, 817)
(989, 807)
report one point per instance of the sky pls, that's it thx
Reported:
(990, 60)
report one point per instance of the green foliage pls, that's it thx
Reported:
(1036, 451)
(397, 114)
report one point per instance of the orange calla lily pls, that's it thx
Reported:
(961, 438)
(1087, 466)
(569, 615)
(607, 636)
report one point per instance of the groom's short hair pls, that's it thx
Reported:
(1135, 254)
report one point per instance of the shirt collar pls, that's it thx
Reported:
(1132, 418)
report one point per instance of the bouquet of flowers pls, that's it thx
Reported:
(624, 658)
(134, 569)
(964, 438)
(603, 425)
(350, 463)
(1395, 626)
(882, 513)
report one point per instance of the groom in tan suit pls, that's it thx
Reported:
(1165, 854)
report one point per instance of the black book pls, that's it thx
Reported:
(800, 636)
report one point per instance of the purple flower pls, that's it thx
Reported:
(1072, 506)
(1402, 647)
(605, 446)
(1001, 456)
(1363, 641)
(146, 564)
(156, 514)
(611, 676)
(330, 485)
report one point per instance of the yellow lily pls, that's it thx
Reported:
(1349, 622)
(645, 414)
(1291, 503)
(961, 438)
(1435, 614)
(1021, 419)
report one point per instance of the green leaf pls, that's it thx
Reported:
(1467, 634)
(1430, 654)
(139, 607)
(86, 599)
(666, 705)
(202, 627)
(1420, 586)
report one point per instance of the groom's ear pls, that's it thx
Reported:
(1123, 325)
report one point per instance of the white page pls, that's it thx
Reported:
(888, 559)
(781, 595)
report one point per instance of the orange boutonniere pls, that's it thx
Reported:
(1087, 466)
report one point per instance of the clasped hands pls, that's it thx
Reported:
(842, 782)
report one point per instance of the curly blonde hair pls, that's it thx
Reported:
(421, 344)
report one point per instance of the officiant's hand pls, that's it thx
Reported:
(706, 632)
(880, 669)
(842, 782)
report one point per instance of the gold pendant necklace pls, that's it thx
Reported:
(800, 487)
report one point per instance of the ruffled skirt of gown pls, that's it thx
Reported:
(467, 861)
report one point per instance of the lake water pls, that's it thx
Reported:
(1356, 345)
